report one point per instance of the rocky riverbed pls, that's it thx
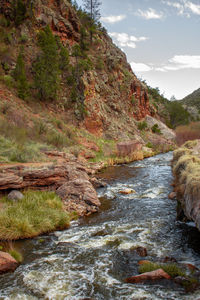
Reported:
(94, 257)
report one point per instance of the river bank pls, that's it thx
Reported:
(74, 181)
(186, 170)
(96, 254)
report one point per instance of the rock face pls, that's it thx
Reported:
(7, 262)
(165, 131)
(109, 89)
(154, 275)
(186, 170)
(70, 180)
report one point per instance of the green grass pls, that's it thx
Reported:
(37, 213)
(12, 151)
(172, 269)
(16, 255)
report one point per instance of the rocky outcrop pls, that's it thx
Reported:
(186, 170)
(7, 262)
(70, 180)
(166, 132)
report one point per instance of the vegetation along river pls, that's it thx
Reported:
(93, 257)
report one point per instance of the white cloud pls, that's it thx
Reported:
(113, 19)
(177, 62)
(149, 14)
(140, 67)
(195, 8)
(184, 7)
(186, 61)
(180, 62)
(125, 40)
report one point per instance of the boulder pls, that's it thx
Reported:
(141, 251)
(7, 262)
(80, 196)
(128, 147)
(15, 195)
(172, 195)
(154, 275)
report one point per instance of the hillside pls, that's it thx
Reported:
(60, 90)
(192, 104)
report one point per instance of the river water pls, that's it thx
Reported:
(92, 258)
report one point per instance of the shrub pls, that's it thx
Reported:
(7, 80)
(56, 139)
(149, 145)
(133, 100)
(155, 129)
(142, 125)
(37, 213)
(23, 39)
(99, 64)
(187, 132)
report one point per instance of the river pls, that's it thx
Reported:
(92, 258)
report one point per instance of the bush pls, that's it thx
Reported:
(7, 80)
(149, 145)
(100, 64)
(155, 129)
(56, 139)
(37, 213)
(142, 125)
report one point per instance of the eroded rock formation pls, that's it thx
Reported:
(70, 181)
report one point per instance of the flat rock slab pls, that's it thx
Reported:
(7, 262)
(154, 275)
(70, 180)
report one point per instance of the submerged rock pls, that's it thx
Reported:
(154, 275)
(141, 251)
(127, 191)
(7, 262)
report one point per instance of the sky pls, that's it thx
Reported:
(161, 39)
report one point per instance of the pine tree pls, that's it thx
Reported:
(20, 76)
(19, 11)
(64, 58)
(46, 67)
(93, 8)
